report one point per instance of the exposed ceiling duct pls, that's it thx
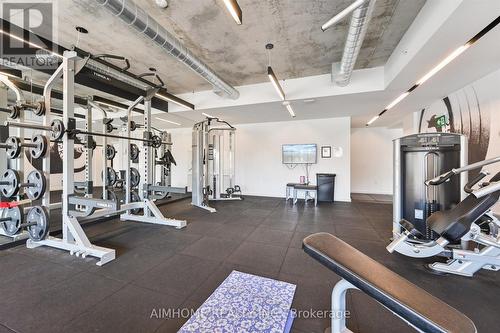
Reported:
(342, 71)
(136, 17)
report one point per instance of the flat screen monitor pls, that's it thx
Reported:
(299, 154)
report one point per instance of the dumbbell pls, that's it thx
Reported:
(35, 186)
(38, 146)
(37, 222)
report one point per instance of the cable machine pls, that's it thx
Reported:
(213, 163)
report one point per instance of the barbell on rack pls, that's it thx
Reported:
(38, 108)
(35, 187)
(37, 222)
(38, 146)
(57, 130)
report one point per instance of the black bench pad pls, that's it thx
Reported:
(306, 187)
(399, 295)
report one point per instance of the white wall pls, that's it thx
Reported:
(259, 170)
(371, 159)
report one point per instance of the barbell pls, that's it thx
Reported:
(57, 130)
(38, 146)
(38, 108)
(35, 186)
(37, 222)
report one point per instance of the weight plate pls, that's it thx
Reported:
(134, 152)
(156, 141)
(39, 109)
(14, 147)
(14, 111)
(109, 128)
(110, 152)
(38, 184)
(111, 196)
(13, 226)
(133, 125)
(134, 197)
(41, 146)
(12, 178)
(57, 129)
(135, 177)
(40, 218)
(111, 176)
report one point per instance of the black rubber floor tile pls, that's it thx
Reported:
(176, 241)
(22, 274)
(298, 263)
(211, 248)
(180, 275)
(256, 212)
(266, 235)
(131, 309)
(373, 317)
(232, 231)
(247, 220)
(49, 309)
(201, 228)
(132, 264)
(313, 227)
(258, 255)
(355, 232)
(284, 225)
(4, 329)
(297, 239)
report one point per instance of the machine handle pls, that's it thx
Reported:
(441, 178)
(468, 187)
(112, 56)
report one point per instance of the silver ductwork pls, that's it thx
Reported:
(342, 71)
(136, 17)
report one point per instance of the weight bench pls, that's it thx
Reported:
(414, 305)
(307, 189)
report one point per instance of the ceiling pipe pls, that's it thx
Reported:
(136, 17)
(341, 72)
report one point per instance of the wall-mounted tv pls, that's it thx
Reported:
(299, 154)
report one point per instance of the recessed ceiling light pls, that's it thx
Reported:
(311, 100)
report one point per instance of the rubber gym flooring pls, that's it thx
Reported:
(47, 290)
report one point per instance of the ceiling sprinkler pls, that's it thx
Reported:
(162, 3)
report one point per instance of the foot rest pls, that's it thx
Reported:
(245, 303)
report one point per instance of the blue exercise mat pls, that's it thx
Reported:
(245, 303)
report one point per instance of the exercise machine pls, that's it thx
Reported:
(467, 235)
(213, 163)
(420, 157)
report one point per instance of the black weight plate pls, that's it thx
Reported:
(41, 148)
(156, 141)
(14, 112)
(134, 152)
(38, 187)
(111, 176)
(39, 109)
(11, 189)
(135, 177)
(13, 226)
(14, 147)
(110, 152)
(40, 229)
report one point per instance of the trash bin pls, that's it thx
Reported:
(326, 186)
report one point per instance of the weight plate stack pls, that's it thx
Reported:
(135, 177)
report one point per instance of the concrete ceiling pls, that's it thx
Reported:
(235, 52)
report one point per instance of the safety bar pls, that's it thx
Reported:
(484, 191)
